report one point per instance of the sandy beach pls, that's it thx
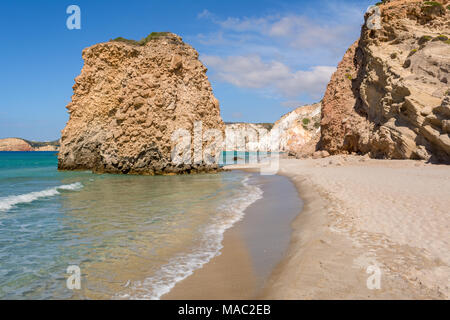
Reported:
(252, 248)
(359, 212)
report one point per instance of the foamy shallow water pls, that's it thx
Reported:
(7, 203)
(132, 237)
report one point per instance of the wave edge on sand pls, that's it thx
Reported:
(183, 265)
(9, 202)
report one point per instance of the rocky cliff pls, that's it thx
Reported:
(296, 133)
(14, 144)
(46, 148)
(129, 100)
(247, 137)
(299, 130)
(17, 144)
(390, 96)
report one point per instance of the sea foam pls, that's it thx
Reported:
(7, 203)
(182, 266)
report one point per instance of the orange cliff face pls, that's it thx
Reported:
(129, 100)
(14, 144)
(390, 96)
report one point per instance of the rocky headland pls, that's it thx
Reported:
(295, 133)
(17, 144)
(390, 96)
(14, 144)
(241, 136)
(129, 100)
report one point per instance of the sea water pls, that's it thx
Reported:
(130, 236)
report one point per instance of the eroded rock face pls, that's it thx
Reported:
(246, 137)
(14, 144)
(46, 148)
(295, 133)
(127, 103)
(299, 130)
(389, 97)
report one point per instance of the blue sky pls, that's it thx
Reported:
(264, 58)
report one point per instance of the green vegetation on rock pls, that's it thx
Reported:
(38, 144)
(441, 37)
(432, 8)
(143, 41)
(152, 36)
(381, 2)
(424, 39)
(306, 121)
(432, 4)
(412, 52)
(120, 39)
(266, 125)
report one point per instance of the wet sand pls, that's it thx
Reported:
(252, 248)
(360, 213)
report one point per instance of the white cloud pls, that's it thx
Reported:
(252, 72)
(245, 24)
(299, 31)
(282, 27)
(238, 24)
(205, 14)
(304, 33)
(291, 55)
(312, 82)
(291, 104)
(247, 71)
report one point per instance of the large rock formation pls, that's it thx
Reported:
(129, 100)
(390, 95)
(299, 130)
(14, 144)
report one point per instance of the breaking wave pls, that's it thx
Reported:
(7, 203)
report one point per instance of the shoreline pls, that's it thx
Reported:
(343, 229)
(251, 248)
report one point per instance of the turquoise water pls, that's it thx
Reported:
(131, 236)
(241, 157)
